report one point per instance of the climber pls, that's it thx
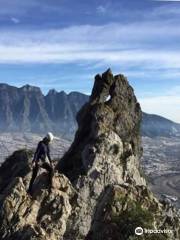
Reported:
(42, 159)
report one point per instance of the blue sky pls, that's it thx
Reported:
(62, 44)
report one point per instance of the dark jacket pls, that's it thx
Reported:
(42, 152)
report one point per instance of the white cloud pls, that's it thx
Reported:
(101, 9)
(65, 53)
(123, 36)
(15, 20)
(109, 44)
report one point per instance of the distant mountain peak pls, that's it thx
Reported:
(30, 88)
(5, 86)
(52, 92)
(154, 125)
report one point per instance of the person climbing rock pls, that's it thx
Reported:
(42, 159)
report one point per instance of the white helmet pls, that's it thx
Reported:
(50, 136)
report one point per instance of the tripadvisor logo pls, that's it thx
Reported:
(139, 231)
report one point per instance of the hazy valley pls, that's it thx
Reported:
(161, 164)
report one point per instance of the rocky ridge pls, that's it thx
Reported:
(26, 109)
(42, 216)
(98, 190)
(154, 126)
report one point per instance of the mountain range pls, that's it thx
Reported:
(27, 109)
(154, 126)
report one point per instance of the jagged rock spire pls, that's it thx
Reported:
(112, 107)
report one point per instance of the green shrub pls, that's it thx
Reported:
(134, 216)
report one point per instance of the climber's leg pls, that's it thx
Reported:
(34, 174)
(48, 167)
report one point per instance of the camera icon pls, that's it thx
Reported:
(139, 231)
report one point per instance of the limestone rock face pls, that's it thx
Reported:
(105, 153)
(125, 207)
(98, 191)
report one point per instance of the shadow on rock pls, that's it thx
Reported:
(16, 165)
